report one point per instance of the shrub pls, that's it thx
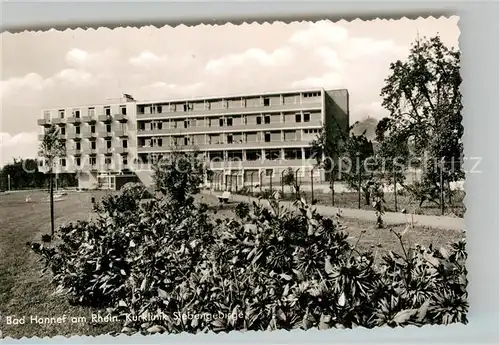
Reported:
(273, 268)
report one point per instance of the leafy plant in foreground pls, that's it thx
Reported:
(270, 268)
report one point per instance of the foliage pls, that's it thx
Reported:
(180, 174)
(423, 97)
(273, 268)
(23, 174)
(289, 179)
(362, 165)
(393, 153)
(52, 147)
(377, 193)
(242, 210)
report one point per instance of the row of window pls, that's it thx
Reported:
(91, 111)
(207, 105)
(92, 129)
(93, 144)
(92, 161)
(227, 121)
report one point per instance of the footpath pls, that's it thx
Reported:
(436, 222)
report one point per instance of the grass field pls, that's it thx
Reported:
(24, 292)
(350, 200)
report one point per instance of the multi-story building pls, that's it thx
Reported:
(244, 138)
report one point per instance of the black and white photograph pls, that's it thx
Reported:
(219, 178)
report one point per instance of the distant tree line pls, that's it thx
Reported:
(24, 174)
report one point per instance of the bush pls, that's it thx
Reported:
(272, 268)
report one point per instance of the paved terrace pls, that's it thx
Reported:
(437, 222)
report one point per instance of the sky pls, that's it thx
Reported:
(54, 69)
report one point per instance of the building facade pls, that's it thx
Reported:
(245, 139)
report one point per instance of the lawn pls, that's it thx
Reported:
(24, 292)
(405, 201)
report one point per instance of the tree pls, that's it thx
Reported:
(360, 160)
(289, 179)
(51, 148)
(180, 174)
(392, 155)
(423, 97)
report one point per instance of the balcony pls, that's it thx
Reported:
(222, 146)
(312, 105)
(120, 150)
(238, 128)
(74, 152)
(74, 136)
(120, 117)
(262, 163)
(44, 122)
(105, 134)
(89, 119)
(105, 151)
(89, 135)
(105, 118)
(73, 119)
(58, 121)
(120, 133)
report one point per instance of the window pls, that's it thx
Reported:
(124, 110)
(77, 114)
(186, 123)
(258, 119)
(142, 126)
(125, 161)
(266, 102)
(78, 161)
(269, 172)
(77, 129)
(108, 128)
(267, 137)
(159, 142)
(221, 122)
(186, 141)
(185, 107)
(307, 117)
(92, 160)
(61, 113)
(159, 109)
(160, 125)
(108, 111)
(207, 105)
(267, 119)
(229, 121)
(108, 144)
(78, 146)
(63, 162)
(124, 144)
(91, 111)
(63, 131)
(92, 129)
(107, 160)
(229, 138)
(298, 118)
(92, 145)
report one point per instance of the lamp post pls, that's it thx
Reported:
(251, 182)
(312, 185)
(441, 201)
(282, 184)
(8, 182)
(260, 180)
(359, 179)
(297, 182)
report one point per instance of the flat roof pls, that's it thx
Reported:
(200, 98)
